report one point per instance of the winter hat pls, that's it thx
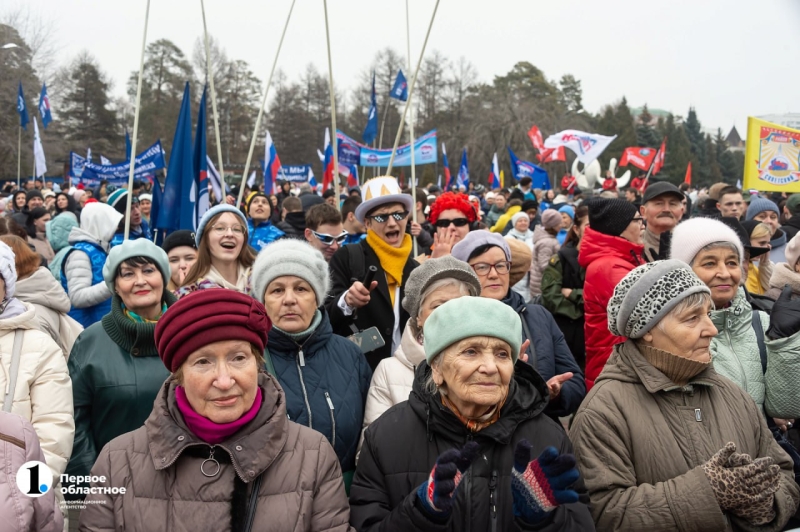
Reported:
(8, 270)
(207, 316)
(569, 209)
(661, 188)
(48, 194)
(452, 200)
(176, 239)
(33, 193)
(521, 258)
(689, 237)
(291, 257)
(146, 197)
(141, 247)
(119, 200)
(551, 219)
(253, 195)
(792, 251)
(610, 216)
(475, 239)
(759, 205)
(529, 204)
(213, 211)
(381, 191)
(432, 270)
(466, 317)
(648, 293)
(518, 216)
(36, 213)
(793, 204)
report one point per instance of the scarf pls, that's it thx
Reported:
(205, 429)
(301, 336)
(242, 282)
(392, 259)
(131, 315)
(677, 369)
(527, 236)
(477, 424)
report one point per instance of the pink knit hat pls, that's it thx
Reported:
(551, 219)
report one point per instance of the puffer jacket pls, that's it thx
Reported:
(563, 271)
(159, 466)
(504, 219)
(641, 440)
(782, 275)
(50, 300)
(19, 444)
(43, 393)
(607, 260)
(326, 381)
(401, 448)
(116, 374)
(263, 234)
(736, 356)
(493, 215)
(58, 230)
(545, 246)
(143, 231)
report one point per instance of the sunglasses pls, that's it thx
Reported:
(329, 239)
(458, 222)
(383, 218)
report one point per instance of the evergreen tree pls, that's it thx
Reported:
(678, 152)
(697, 141)
(617, 120)
(645, 134)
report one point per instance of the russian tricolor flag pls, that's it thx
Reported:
(272, 166)
(494, 176)
(447, 178)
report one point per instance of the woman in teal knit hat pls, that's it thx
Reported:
(114, 365)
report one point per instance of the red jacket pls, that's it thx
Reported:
(607, 260)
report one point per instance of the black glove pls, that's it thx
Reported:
(784, 321)
(664, 246)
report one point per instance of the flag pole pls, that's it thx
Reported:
(383, 123)
(261, 110)
(136, 126)
(335, 138)
(210, 76)
(411, 91)
(19, 156)
(411, 131)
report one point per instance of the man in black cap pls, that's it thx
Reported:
(662, 208)
(33, 199)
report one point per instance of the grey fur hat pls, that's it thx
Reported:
(432, 270)
(291, 257)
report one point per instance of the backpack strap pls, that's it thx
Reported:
(16, 351)
(357, 260)
(758, 327)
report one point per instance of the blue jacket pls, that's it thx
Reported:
(331, 378)
(553, 356)
(264, 234)
(89, 315)
(143, 232)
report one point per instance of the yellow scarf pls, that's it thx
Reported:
(392, 259)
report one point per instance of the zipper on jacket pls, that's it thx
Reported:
(492, 501)
(468, 499)
(333, 418)
(301, 362)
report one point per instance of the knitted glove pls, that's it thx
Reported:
(739, 486)
(436, 495)
(540, 486)
(784, 320)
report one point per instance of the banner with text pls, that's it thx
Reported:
(425, 151)
(295, 173)
(772, 157)
(91, 174)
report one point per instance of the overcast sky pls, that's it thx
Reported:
(727, 58)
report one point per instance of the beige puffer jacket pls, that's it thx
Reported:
(159, 467)
(545, 246)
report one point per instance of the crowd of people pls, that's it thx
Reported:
(382, 359)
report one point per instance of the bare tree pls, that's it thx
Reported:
(39, 34)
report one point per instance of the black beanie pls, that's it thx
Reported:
(529, 204)
(175, 239)
(610, 216)
(33, 193)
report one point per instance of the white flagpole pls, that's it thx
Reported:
(136, 126)
(210, 76)
(411, 129)
(334, 138)
(411, 91)
(261, 110)
(19, 156)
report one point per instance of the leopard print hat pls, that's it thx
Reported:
(647, 294)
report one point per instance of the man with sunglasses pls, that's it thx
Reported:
(354, 307)
(324, 229)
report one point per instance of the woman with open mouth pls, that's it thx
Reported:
(224, 258)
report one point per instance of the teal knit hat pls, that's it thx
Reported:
(141, 247)
(468, 316)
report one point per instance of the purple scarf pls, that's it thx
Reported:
(207, 430)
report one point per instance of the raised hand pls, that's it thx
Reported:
(541, 485)
(437, 494)
(442, 246)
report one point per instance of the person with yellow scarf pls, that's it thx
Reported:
(354, 307)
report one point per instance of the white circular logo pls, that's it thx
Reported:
(34, 479)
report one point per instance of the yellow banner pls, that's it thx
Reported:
(772, 157)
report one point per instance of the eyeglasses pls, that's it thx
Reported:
(329, 239)
(638, 219)
(383, 218)
(222, 229)
(458, 222)
(483, 268)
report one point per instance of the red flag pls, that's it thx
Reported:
(536, 138)
(551, 155)
(659, 161)
(641, 158)
(688, 178)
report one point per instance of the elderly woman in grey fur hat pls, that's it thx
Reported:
(434, 283)
(662, 440)
(325, 376)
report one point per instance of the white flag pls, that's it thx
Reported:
(105, 162)
(88, 155)
(251, 181)
(40, 166)
(215, 180)
(587, 146)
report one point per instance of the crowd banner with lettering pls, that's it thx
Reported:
(295, 173)
(91, 174)
(425, 152)
(772, 157)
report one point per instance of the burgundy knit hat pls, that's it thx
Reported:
(207, 316)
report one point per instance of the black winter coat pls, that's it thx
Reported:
(791, 227)
(402, 446)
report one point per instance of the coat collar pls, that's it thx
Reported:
(135, 338)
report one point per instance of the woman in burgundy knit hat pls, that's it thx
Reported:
(218, 451)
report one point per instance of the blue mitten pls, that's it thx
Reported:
(437, 494)
(541, 485)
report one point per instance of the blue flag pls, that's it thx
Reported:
(522, 169)
(200, 162)
(44, 107)
(178, 204)
(22, 109)
(463, 170)
(127, 146)
(155, 205)
(400, 88)
(371, 131)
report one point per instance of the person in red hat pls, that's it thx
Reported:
(218, 450)
(454, 217)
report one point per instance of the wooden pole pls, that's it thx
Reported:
(334, 138)
(210, 76)
(19, 157)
